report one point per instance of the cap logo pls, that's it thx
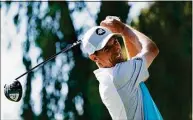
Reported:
(100, 31)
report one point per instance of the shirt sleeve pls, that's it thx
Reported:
(130, 72)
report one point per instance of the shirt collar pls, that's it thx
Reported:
(102, 72)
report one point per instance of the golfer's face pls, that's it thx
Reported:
(111, 54)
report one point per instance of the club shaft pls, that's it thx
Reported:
(53, 56)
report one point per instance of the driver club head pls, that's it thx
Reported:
(13, 91)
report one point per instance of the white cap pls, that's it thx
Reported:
(96, 38)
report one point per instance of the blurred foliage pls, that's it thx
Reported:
(51, 30)
(169, 24)
(119, 9)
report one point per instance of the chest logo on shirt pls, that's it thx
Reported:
(100, 31)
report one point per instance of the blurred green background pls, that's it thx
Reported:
(69, 89)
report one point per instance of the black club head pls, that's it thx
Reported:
(13, 91)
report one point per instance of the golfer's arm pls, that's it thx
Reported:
(131, 40)
(138, 43)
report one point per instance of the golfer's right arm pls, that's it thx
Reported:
(147, 47)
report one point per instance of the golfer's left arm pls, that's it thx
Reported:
(145, 46)
(136, 42)
(133, 46)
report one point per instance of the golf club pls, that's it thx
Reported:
(13, 91)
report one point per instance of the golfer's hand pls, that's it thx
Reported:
(114, 24)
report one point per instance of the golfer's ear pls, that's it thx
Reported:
(93, 57)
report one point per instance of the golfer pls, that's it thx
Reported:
(121, 78)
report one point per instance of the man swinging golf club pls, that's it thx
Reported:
(121, 80)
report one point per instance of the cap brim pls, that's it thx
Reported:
(105, 40)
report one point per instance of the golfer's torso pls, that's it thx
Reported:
(119, 88)
(123, 103)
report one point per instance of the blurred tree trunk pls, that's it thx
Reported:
(78, 77)
(169, 24)
(27, 108)
(27, 112)
(115, 8)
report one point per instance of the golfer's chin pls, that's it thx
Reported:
(119, 59)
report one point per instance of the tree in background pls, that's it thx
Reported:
(169, 24)
(50, 30)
